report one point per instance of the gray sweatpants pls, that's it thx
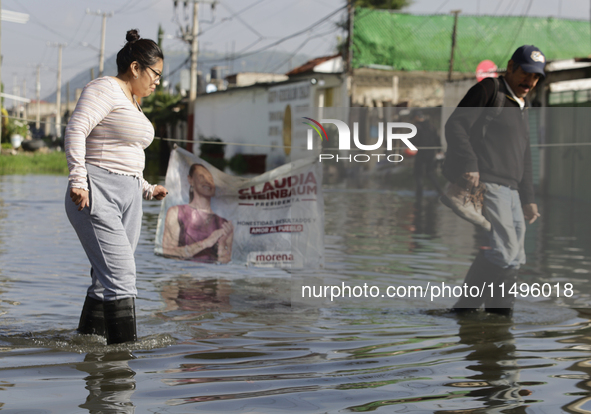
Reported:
(507, 236)
(109, 231)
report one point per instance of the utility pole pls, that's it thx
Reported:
(15, 93)
(58, 96)
(68, 100)
(0, 69)
(453, 43)
(193, 74)
(58, 100)
(349, 44)
(192, 39)
(38, 96)
(15, 18)
(24, 96)
(103, 35)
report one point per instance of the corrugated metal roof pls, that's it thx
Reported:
(310, 65)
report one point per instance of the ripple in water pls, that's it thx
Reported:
(230, 338)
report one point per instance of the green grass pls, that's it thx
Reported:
(53, 163)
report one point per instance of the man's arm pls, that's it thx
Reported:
(526, 188)
(526, 185)
(460, 124)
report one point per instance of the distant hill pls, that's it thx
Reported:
(268, 61)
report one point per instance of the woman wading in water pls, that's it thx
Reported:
(105, 141)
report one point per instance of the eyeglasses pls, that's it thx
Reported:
(158, 75)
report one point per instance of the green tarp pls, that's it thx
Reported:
(423, 42)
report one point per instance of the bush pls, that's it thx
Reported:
(212, 152)
(14, 126)
(217, 161)
(211, 149)
(238, 164)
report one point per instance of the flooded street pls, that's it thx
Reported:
(229, 338)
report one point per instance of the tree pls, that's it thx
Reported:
(163, 109)
(382, 4)
(160, 37)
(369, 4)
(213, 150)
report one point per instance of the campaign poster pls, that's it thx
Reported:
(272, 220)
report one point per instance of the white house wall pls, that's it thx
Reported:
(236, 116)
(251, 119)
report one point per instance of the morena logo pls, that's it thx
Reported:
(345, 139)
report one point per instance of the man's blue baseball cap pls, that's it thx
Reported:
(530, 59)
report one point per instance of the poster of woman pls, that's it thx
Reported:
(193, 231)
(275, 219)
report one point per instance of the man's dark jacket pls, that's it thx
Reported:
(500, 152)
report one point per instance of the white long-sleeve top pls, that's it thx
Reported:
(108, 131)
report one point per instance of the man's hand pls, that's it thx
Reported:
(530, 212)
(159, 192)
(472, 179)
(80, 198)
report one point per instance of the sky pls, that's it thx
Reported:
(234, 25)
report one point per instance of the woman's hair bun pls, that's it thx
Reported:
(143, 51)
(132, 35)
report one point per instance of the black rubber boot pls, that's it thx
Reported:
(478, 274)
(92, 319)
(120, 321)
(502, 301)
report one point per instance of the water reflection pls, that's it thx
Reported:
(492, 356)
(424, 218)
(187, 298)
(582, 343)
(110, 382)
(225, 338)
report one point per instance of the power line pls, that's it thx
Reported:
(142, 9)
(498, 6)
(250, 6)
(299, 48)
(179, 67)
(241, 54)
(123, 7)
(127, 5)
(79, 63)
(267, 18)
(242, 144)
(87, 30)
(78, 29)
(39, 22)
(521, 25)
(512, 6)
(241, 20)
